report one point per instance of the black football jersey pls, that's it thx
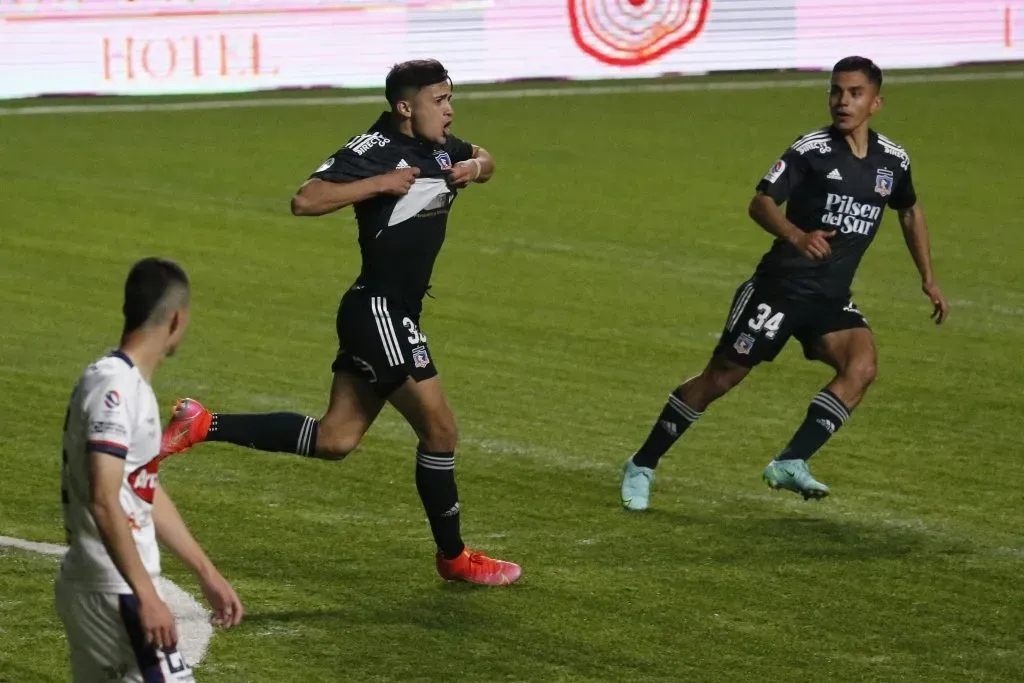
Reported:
(399, 237)
(826, 187)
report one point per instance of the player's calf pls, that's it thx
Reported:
(435, 481)
(273, 432)
(829, 410)
(719, 378)
(852, 381)
(686, 405)
(424, 406)
(851, 353)
(191, 423)
(825, 416)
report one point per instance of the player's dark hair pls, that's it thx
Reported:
(408, 78)
(863, 65)
(154, 288)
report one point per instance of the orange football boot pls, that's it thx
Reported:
(189, 425)
(476, 567)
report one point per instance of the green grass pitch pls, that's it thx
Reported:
(573, 293)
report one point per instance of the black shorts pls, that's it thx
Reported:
(379, 339)
(761, 321)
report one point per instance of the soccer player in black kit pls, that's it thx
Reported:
(402, 176)
(835, 182)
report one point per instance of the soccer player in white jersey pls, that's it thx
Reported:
(107, 589)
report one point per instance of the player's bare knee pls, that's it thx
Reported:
(863, 371)
(336, 446)
(440, 435)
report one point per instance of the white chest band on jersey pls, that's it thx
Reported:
(422, 193)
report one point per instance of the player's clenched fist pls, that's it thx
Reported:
(464, 172)
(398, 182)
(815, 244)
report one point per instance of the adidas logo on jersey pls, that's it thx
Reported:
(835, 175)
(402, 164)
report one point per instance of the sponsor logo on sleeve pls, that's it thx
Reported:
(776, 171)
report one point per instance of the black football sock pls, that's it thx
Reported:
(435, 482)
(825, 416)
(676, 417)
(277, 432)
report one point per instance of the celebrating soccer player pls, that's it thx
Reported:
(835, 182)
(402, 177)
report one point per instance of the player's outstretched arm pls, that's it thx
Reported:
(915, 234)
(173, 533)
(317, 197)
(766, 213)
(106, 475)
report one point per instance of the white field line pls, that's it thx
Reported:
(555, 91)
(193, 620)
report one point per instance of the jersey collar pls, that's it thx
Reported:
(118, 353)
(384, 124)
(842, 144)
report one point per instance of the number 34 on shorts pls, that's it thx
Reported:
(766, 322)
(759, 324)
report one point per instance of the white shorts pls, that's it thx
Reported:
(106, 640)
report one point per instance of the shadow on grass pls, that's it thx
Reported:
(739, 537)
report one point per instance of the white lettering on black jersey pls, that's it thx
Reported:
(825, 187)
(399, 237)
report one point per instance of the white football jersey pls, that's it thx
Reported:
(112, 410)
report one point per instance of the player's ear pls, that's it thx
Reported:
(877, 103)
(174, 322)
(404, 108)
(179, 323)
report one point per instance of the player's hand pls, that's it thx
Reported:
(934, 294)
(158, 623)
(227, 608)
(398, 182)
(463, 173)
(814, 244)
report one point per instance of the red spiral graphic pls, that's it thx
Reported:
(634, 32)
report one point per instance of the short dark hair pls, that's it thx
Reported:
(861, 64)
(154, 288)
(408, 78)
